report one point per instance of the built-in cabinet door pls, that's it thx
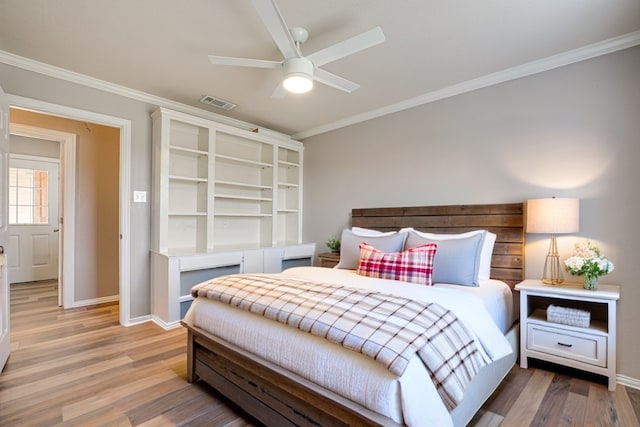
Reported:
(272, 260)
(252, 261)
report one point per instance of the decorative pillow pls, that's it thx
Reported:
(487, 246)
(369, 232)
(457, 260)
(413, 265)
(350, 246)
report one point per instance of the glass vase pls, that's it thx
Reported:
(590, 283)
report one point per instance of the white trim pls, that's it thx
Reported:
(17, 156)
(139, 320)
(68, 149)
(545, 64)
(628, 381)
(94, 301)
(165, 325)
(125, 181)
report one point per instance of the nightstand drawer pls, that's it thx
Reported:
(582, 347)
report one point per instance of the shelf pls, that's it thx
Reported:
(243, 184)
(539, 316)
(243, 161)
(187, 214)
(288, 164)
(288, 185)
(218, 186)
(187, 179)
(191, 151)
(233, 197)
(241, 214)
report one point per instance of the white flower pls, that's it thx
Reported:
(574, 263)
(588, 261)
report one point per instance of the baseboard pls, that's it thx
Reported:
(138, 320)
(628, 381)
(94, 301)
(164, 325)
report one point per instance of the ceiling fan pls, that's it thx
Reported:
(300, 71)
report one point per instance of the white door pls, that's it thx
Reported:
(4, 187)
(33, 220)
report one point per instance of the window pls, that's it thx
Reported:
(28, 196)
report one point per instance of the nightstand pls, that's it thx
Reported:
(591, 349)
(328, 260)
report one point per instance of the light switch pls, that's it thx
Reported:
(140, 197)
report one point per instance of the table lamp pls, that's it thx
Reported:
(553, 216)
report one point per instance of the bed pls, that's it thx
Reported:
(284, 376)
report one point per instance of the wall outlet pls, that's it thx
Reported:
(140, 197)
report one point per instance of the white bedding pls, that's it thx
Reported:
(497, 298)
(410, 399)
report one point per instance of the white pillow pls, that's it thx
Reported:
(358, 231)
(457, 261)
(350, 246)
(485, 254)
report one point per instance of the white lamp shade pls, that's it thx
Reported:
(553, 216)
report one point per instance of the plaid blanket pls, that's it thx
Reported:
(387, 328)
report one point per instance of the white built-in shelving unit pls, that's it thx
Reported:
(225, 200)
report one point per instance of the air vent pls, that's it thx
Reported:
(217, 102)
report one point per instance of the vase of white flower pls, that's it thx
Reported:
(590, 282)
(588, 262)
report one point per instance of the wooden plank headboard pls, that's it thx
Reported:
(505, 220)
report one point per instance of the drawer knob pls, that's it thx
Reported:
(565, 345)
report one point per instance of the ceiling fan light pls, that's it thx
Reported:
(298, 83)
(298, 75)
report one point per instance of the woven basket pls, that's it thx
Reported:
(568, 316)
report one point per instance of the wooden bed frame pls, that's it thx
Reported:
(277, 397)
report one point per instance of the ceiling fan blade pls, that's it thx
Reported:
(334, 81)
(273, 20)
(243, 62)
(347, 47)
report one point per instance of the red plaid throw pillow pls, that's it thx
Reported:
(413, 265)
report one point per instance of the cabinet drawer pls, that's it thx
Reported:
(574, 345)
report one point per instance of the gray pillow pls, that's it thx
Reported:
(457, 261)
(350, 246)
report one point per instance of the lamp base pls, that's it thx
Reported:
(552, 274)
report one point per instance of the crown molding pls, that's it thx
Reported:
(82, 79)
(545, 64)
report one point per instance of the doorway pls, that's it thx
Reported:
(57, 146)
(120, 175)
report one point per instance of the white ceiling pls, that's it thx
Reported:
(432, 48)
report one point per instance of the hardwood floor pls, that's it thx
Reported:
(80, 368)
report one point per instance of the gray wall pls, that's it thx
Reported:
(572, 132)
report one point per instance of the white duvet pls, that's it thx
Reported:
(410, 399)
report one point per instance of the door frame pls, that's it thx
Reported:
(67, 238)
(124, 125)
